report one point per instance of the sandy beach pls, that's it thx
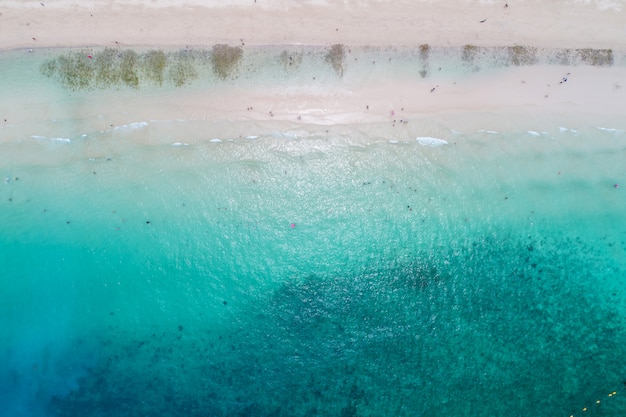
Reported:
(558, 24)
(593, 89)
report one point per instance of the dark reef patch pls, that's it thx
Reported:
(526, 331)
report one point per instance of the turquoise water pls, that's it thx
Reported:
(314, 276)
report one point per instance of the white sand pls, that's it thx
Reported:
(554, 23)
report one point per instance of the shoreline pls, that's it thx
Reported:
(265, 87)
(512, 63)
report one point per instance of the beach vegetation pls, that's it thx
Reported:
(522, 55)
(225, 59)
(596, 57)
(153, 66)
(336, 57)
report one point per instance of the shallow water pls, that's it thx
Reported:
(310, 273)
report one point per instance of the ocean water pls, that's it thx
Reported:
(156, 268)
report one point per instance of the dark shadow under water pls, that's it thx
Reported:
(485, 327)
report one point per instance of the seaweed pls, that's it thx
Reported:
(154, 63)
(112, 67)
(336, 57)
(424, 52)
(128, 68)
(76, 70)
(49, 68)
(225, 59)
(522, 55)
(183, 69)
(596, 57)
(469, 54)
(106, 71)
(424, 55)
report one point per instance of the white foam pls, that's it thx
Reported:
(429, 141)
(215, 140)
(62, 140)
(135, 125)
(533, 133)
(251, 137)
(180, 144)
(610, 129)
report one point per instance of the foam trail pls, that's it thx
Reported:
(430, 141)
(58, 139)
(134, 125)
